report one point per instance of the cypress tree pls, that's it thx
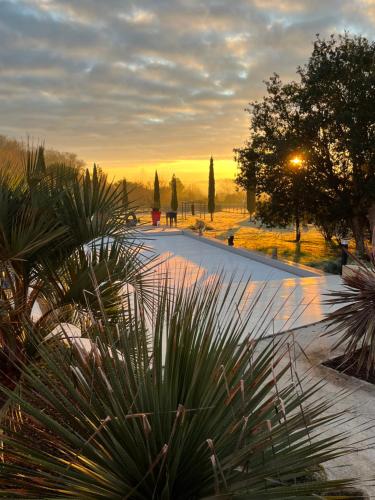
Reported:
(211, 190)
(157, 203)
(174, 200)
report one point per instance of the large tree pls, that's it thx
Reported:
(156, 192)
(338, 99)
(273, 161)
(328, 119)
(211, 189)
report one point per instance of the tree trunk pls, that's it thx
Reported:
(298, 229)
(212, 217)
(358, 229)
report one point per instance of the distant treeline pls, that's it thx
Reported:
(140, 194)
(12, 151)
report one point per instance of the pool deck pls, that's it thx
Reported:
(292, 296)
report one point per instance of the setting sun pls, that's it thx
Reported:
(296, 161)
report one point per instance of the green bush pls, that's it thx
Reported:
(328, 266)
(182, 405)
(353, 323)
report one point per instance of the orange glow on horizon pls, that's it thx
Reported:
(190, 171)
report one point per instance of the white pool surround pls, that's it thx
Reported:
(292, 301)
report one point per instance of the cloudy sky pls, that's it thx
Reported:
(135, 85)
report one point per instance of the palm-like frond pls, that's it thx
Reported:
(104, 267)
(31, 231)
(92, 208)
(196, 412)
(51, 220)
(354, 322)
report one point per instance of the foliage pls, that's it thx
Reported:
(247, 176)
(288, 202)
(174, 199)
(354, 323)
(211, 189)
(328, 119)
(186, 407)
(282, 186)
(338, 229)
(328, 266)
(251, 200)
(141, 194)
(157, 203)
(62, 236)
(340, 77)
(12, 152)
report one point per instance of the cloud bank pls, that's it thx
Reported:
(133, 83)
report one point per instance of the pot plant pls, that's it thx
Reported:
(353, 323)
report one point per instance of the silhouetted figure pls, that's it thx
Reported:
(231, 240)
(171, 217)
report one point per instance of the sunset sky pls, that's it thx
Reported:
(161, 84)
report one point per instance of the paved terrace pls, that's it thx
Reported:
(292, 296)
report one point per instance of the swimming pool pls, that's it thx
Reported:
(290, 301)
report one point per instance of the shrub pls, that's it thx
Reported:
(328, 266)
(354, 322)
(200, 226)
(59, 229)
(181, 406)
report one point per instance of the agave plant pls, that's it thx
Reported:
(183, 407)
(62, 236)
(354, 322)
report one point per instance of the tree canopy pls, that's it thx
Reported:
(327, 120)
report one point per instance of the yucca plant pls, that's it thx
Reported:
(184, 406)
(354, 323)
(62, 236)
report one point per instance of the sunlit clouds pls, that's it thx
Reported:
(133, 85)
